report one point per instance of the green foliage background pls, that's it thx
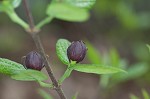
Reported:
(123, 25)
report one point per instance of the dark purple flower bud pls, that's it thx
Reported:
(76, 51)
(34, 61)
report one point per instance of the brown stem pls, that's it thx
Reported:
(40, 48)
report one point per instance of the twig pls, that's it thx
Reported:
(39, 46)
(29, 15)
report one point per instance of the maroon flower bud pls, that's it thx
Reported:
(76, 51)
(34, 61)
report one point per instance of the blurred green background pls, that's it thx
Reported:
(117, 32)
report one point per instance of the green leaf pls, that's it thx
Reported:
(61, 50)
(44, 94)
(81, 3)
(30, 75)
(148, 47)
(9, 67)
(96, 69)
(145, 94)
(93, 54)
(67, 12)
(133, 97)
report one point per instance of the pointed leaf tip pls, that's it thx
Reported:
(96, 69)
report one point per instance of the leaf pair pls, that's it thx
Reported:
(18, 72)
(61, 49)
